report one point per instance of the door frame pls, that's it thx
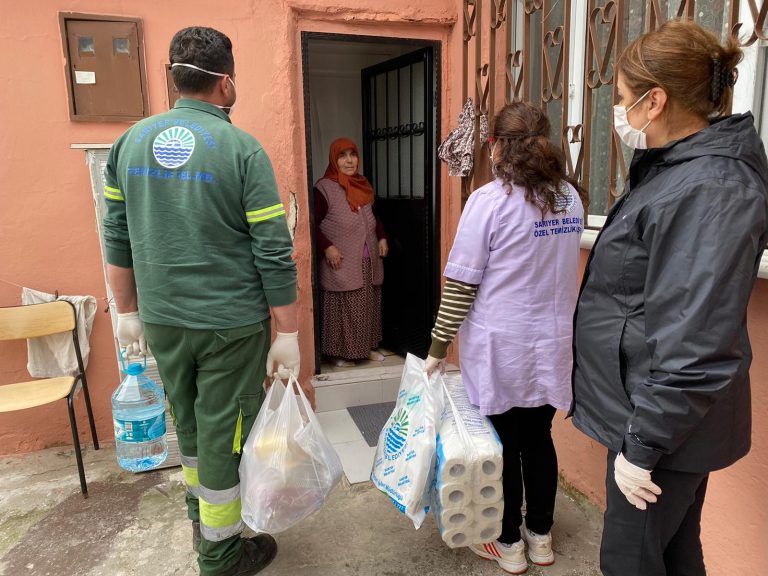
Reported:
(436, 46)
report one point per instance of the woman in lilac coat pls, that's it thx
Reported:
(511, 286)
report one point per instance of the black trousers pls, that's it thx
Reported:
(663, 540)
(529, 460)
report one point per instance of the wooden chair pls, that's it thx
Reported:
(21, 322)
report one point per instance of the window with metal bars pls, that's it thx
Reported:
(559, 55)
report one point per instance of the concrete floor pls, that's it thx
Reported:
(136, 525)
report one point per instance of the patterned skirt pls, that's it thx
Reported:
(351, 320)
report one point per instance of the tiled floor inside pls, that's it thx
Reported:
(355, 454)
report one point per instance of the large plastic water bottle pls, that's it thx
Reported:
(138, 412)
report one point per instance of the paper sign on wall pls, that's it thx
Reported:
(83, 77)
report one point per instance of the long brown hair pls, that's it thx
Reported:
(524, 155)
(689, 62)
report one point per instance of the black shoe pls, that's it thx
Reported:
(196, 536)
(258, 552)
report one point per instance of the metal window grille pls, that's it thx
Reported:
(559, 55)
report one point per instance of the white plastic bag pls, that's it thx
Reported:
(404, 466)
(288, 466)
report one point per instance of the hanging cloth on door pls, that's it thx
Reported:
(54, 355)
(458, 149)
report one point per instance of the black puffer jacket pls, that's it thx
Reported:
(661, 352)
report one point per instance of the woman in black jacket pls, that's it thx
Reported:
(661, 351)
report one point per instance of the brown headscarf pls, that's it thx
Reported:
(359, 190)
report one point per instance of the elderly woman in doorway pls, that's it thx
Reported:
(352, 243)
(661, 351)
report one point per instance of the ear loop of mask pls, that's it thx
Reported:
(492, 159)
(638, 102)
(227, 109)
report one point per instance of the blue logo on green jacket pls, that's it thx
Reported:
(173, 147)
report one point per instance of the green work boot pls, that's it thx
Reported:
(258, 552)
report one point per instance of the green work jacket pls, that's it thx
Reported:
(193, 207)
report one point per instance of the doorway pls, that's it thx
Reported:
(383, 93)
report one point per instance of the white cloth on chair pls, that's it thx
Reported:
(51, 356)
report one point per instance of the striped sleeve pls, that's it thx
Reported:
(455, 303)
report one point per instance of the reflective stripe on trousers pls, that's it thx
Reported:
(220, 513)
(189, 468)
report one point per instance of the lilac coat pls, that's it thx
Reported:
(516, 340)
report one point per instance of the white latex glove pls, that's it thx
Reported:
(283, 356)
(130, 334)
(433, 364)
(635, 483)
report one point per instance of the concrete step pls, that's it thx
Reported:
(357, 387)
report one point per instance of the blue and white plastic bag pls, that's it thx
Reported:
(404, 467)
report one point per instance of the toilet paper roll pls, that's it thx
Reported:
(489, 512)
(490, 467)
(458, 537)
(456, 517)
(487, 492)
(454, 495)
(468, 448)
(454, 469)
(486, 532)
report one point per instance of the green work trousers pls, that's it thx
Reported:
(213, 380)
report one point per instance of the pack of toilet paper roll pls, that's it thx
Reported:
(468, 496)
(404, 466)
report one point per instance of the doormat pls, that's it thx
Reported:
(370, 419)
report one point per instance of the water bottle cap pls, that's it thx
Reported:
(134, 369)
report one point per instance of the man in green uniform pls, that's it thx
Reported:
(198, 255)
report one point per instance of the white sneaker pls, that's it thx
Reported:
(511, 558)
(539, 547)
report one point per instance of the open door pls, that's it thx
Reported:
(399, 157)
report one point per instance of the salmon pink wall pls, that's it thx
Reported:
(48, 238)
(48, 235)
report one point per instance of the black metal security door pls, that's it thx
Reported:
(398, 144)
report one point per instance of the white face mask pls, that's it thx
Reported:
(227, 109)
(630, 135)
